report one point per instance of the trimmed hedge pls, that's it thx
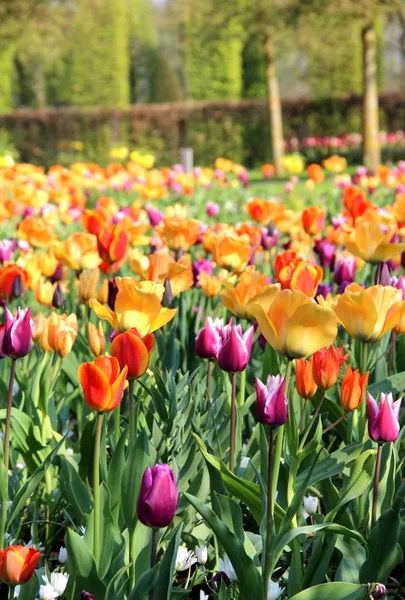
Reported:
(235, 129)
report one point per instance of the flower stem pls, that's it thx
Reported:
(153, 557)
(280, 436)
(362, 413)
(336, 422)
(209, 377)
(233, 424)
(242, 382)
(302, 414)
(375, 487)
(11, 592)
(269, 521)
(312, 421)
(7, 452)
(117, 419)
(131, 415)
(96, 488)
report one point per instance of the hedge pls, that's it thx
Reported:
(234, 129)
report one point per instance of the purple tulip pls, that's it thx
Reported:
(234, 353)
(7, 248)
(383, 421)
(202, 264)
(209, 339)
(345, 269)
(112, 293)
(399, 284)
(57, 275)
(86, 596)
(271, 401)
(158, 497)
(17, 333)
(382, 275)
(154, 215)
(326, 252)
(323, 289)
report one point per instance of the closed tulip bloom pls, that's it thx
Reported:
(382, 274)
(102, 383)
(158, 497)
(383, 421)
(234, 353)
(96, 338)
(13, 281)
(133, 352)
(209, 338)
(353, 388)
(17, 564)
(369, 314)
(295, 325)
(326, 366)
(326, 252)
(112, 243)
(61, 333)
(271, 401)
(88, 282)
(301, 276)
(345, 269)
(17, 333)
(313, 220)
(304, 381)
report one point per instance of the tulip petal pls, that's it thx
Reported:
(357, 312)
(265, 325)
(103, 312)
(165, 315)
(96, 387)
(311, 328)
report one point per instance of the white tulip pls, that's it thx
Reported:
(184, 559)
(59, 582)
(201, 553)
(62, 557)
(310, 506)
(203, 595)
(225, 565)
(274, 590)
(46, 592)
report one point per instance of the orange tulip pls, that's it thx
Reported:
(78, 251)
(88, 282)
(355, 202)
(232, 253)
(61, 333)
(178, 233)
(96, 338)
(102, 383)
(133, 352)
(313, 220)
(335, 163)
(94, 220)
(268, 170)
(283, 260)
(261, 210)
(180, 275)
(17, 564)
(326, 366)
(112, 243)
(210, 284)
(236, 298)
(302, 276)
(37, 232)
(13, 281)
(304, 381)
(353, 388)
(315, 173)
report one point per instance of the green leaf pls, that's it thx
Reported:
(249, 579)
(144, 584)
(331, 465)
(333, 591)
(82, 566)
(353, 557)
(75, 490)
(137, 462)
(165, 579)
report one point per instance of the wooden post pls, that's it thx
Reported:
(274, 104)
(371, 142)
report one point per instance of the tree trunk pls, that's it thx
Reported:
(371, 143)
(274, 103)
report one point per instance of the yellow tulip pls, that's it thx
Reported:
(368, 314)
(372, 243)
(295, 325)
(237, 298)
(88, 282)
(232, 253)
(138, 304)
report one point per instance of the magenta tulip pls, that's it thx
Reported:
(383, 421)
(158, 497)
(271, 401)
(234, 353)
(209, 339)
(7, 248)
(16, 336)
(345, 269)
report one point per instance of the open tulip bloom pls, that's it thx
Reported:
(383, 420)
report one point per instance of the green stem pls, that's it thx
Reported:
(302, 414)
(280, 436)
(232, 425)
(117, 420)
(336, 422)
(269, 520)
(362, 412)
(375, 487)
(209, 378)
(131, 414)
(312, 421)
(242, 388)
(153, 556)
(96, 486)
(11, 592)
(7, 452)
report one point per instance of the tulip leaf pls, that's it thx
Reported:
(115, 471)
(394, 383)
(164, 583)
(333, 591)
(75, 490)
(145, 583)
(353, 557)
(250, 583)
(331, 465)
(82, 567)
(141, 554)
(111, 592)
(138, 460)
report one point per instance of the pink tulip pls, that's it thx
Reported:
(209, 339)
(383, 421)
(399, 284)
(234, 353)
(154, 215)
(271, 401)
(7, 248)
(345, 269)
(212, 209)
(158, 497)
(16, 334)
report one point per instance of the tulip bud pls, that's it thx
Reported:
(304, 381)
(212, 209)
(96, 338)
(310, 506)
(17, 564)
(167, 295)
(86, 596)
(383, 421)
(353, 388)
(103, 383)
(234, 353)
(133, 352)
(158, 497)
(17, 287)
(271, 401)
(345, 269)
(209, 338)
(58, 298)
(57, 274)
(326, 366)
(325, 251)
(399, 284)
(62, 556)
(112, 293)
(17, 338)
(382, 275)
(201, 553)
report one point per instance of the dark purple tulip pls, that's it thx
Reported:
(112, 293)
(58, 298)
(326, 252)
(17, 287)
(209, 339)
(345, 269)
(234, 353)
(271, 401)
(158, 497)
(323, 289)
(57, 274)
(17, 338)
(86, 596)
(202, 264)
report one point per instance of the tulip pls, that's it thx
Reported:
(13, 281)
(210, 285)
(133, 352)
(17, 333)
(382, 274)
(271, 401)
(201, 553)
(234, 353)
(178, 233)
(399, 284)
(17, 564)
(324, 289)
(372, 243)
(61, 333)
(154, 215)
(313, 220)
(345, 269)
(209, 338)
(294, 325)
(7, 248)
(158, 497)
(300, 276)
(353, 388)
(326, 366)
(185, 559)
(304, 381)
(112, 293)
(212, 209)
(369, 314)
(112, 243)
(86, 596)
(325, 251)
(96, 338)
(88, 282)
(237, 298)
(58, 298)
(103, 383)
(383, 421)
(231, 252)
(57, 275)
(201, 265)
